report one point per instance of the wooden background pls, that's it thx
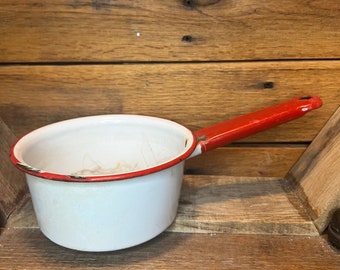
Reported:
(197, 62)
(177, 30)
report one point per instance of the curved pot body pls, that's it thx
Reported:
(108, 215)
(76, 211)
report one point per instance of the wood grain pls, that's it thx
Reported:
(317, 173)
(220, 204)
(29, 249)
(252, 161)
(123, 31)
(12, 182)
(195, 95)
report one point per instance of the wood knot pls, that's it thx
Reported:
(190, 4)
(187, 38)
(268, 85)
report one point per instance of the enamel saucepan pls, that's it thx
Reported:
(109, 182)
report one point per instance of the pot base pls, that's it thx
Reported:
(106, 216)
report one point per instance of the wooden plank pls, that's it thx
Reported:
(220, 204)
(252, 161)
(12, 183)
(317, 174)
(29, 249)
(195, 95)
(73, 31)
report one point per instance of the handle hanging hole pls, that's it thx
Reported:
(305, 98)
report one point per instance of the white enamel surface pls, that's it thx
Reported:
(197, 151)
(103, 145)
(106, 216)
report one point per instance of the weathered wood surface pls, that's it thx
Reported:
(195, 95)
(221, 204)
(213, 204)
(12, 182)
(317, 174)
(225, 222)
(251, 161)
(202, 30)
(29, 249)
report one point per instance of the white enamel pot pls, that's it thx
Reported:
(109, 182)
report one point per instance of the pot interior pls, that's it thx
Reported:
(104, 145)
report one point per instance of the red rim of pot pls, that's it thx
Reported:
(24, 167)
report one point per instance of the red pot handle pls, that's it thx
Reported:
(246, 125)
